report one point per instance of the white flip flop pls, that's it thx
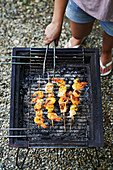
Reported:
(76, 46)
(103, 67)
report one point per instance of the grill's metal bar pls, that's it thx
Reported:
(16, 63)
(30, 90)
(14, 136)
(30, 136)
(20, 129)
(18, 57)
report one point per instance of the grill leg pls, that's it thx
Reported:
(17, 164)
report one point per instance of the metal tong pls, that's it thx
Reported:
(44, 63)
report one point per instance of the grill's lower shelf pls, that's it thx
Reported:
(87, 127)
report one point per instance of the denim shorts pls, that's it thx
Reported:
(76, 14)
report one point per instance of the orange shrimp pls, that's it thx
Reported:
(77, 85)
(73, 107)
(49, 95)
(76, 93)
(39, 115)
(50, 108)
(38, 105)
(63, 107)
(53, 116)
(72, 111)
(76, 80)
(62, 103)
(59, 82)
(33, 100)
(62, 91)
(40, 123)
(74, 100)
(40, 94)
(40, 118)
(49, 87)
(50, 101)
(64, 99)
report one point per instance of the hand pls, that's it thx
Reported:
(52, 32)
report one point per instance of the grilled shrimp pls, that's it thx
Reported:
(62, 91)
(76, 80)
(74, 100)
(63, 99)
(59, 82)
(72, 111)
(39, 93)
(53, 116)
(73, 107)
(38, 105)
(50, 101)
(63, 107)
(40, 123)
(49, 95)
(76, 93)
(49, 87)
(77, 85)
(50, 108)
(39, 114)
(35, 99)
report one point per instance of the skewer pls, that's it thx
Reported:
(52, 123)
(48, 77)
(71, 124)
(64, 122)
(39, 82)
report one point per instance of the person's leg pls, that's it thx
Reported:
(106, 53)
(79, 32)
(81, 23)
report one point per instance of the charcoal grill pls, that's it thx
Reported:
(87, 127)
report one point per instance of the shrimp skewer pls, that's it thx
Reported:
(38, 107)
(75, 98)
(40, 96)
(77, 85)
(59, 82)
(53, 117)
(39, 123)
(63, 97)
(50, 101)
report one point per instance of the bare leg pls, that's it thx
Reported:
(79, 31)
(106, 54)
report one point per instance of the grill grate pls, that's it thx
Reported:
(70, 64)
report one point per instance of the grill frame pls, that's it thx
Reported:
(96, 125)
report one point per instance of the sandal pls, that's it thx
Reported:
(76, 46)
(106, 66)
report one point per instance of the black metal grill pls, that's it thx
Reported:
(87, 128)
